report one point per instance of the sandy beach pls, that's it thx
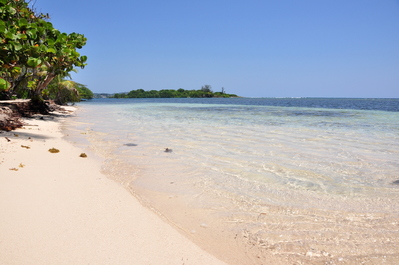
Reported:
(58, 208)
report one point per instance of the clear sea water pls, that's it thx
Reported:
(283, 180)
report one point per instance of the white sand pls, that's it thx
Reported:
(59, 209)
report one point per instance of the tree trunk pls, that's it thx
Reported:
(37, 101)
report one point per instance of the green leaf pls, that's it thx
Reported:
(11, 10)
(51, 50)
(33, 62)
(32, 33)
(66, 51)
(4, 85)
(42, 49)
(31, 84)
(50, 42)
(11, 36)
(22, 22)
(17, 46)
(16, 70)
(2, 26)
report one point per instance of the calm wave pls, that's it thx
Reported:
(385, 104)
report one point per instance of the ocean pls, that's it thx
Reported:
(258, 180)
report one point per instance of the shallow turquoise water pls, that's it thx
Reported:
(326, 150)
(234, 160)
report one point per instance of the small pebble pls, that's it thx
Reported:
(168, 150)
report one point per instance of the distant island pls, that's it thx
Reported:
(204, 92)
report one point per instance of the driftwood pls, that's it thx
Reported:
(12, 110)
(9, 119)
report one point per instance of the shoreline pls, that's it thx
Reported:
(58, 208)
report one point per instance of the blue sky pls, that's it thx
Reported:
(252, 48)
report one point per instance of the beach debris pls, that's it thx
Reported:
(83, 155)
(130, 144)
(14, 169)
(21, 165)
(25, 146)
(53, 150)
(168, 150)
(261, 215)
(396, 182)
(16, 135)
(8, 140)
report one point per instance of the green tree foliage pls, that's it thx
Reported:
(84, 91)
(204, 92)
(206, 88)
(63, 91)
(120, 95)
(32, 51)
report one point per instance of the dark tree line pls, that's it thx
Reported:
(204, 92)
